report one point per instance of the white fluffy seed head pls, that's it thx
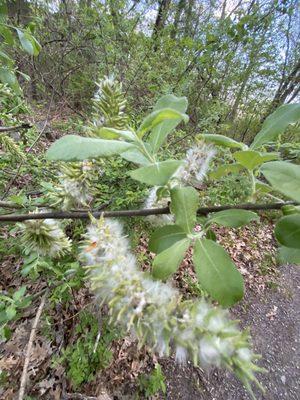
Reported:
(154, 310)
(44, 237)
(196, 164)
(153, 202)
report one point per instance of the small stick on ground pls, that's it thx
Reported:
(29, 347)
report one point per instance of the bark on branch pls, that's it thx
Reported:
(4, 129)
(137, 213)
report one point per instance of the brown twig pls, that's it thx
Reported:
(29, 347)
(137, 213)
(4, 129)
(14, 206)
(78, 396)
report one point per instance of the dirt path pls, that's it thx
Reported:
(274, 321)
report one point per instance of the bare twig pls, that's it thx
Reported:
(97, 342)
(44, 126)
(137, 213)
(29, 347)
(78, 396)
(4, 129)
(14, 206)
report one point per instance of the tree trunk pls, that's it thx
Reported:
(289, 86)
(160, 21)
(189, 15)
(178, 13)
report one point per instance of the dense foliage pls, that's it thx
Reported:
(175, 105)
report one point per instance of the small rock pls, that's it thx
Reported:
(283, 379)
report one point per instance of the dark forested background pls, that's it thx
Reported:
(236, 61)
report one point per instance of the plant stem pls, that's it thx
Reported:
(137, 213)
(252, 193)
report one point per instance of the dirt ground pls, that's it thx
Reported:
(274, 322)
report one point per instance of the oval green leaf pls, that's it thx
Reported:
(232, 218)
(160, 132)
(288, 255)
(111, 133)
(159, 116)
(251, 159)
(224, 141)
(184, 205)
(77, 148)
(276, 123)
(167, 262)
(287, 231)
(135, 156)
(164, 237)
(217, 273)
(157, 174)
(284, 177)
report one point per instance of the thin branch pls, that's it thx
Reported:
(137, 213)
(29, 347)
(4, 129)
(14, 206)
(78, 396)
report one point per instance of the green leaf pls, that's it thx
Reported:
(290, 209)
(111, 133)
(157, 174)
(19, 293)
(160, 132)
(28, 42)
(5, 58)
(184, 205)
(289, 255)
(232, 218)
(276, 123)
(284, 177)
(135, 156)
(287, 231)
(261, 187)
(217, 273)
(159, 116)
(25, 76)
(7, 76)
(36, 45)
(77, 148)
(167, 262)
(164, 237)
(225, 169)
(10, 312)
(251, 159)
(25, 42)
(7, 35)
(224, 141)
(210, 234)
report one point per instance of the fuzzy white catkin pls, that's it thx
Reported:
(154, 311)
(44, 237)
(153, 202)
(76, 186)
(196, 164)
